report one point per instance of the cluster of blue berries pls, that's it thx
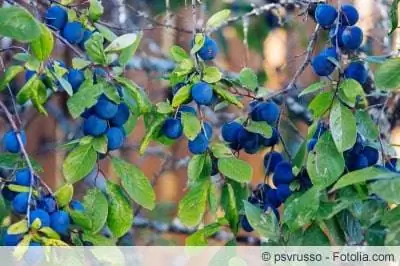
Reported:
(74, 32)
(361, 155)
(43, 208)
(345, 37)
(107, 118)
(202, 94)
(239, 137)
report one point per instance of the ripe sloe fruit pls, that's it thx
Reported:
(348, 15)
(56, 17)
(20, 202)
(42, 215)
(230, 131)
(10, 141)
(75, 78)
(115, 137)
(172, 128)
(356, 71)
(325, 15)
(268, 112)
(283, 174)
(73, 32)
(271, 160)
(352, 38)
(121, 117)
(94, 126)
(105, 108)
(202, 93)
(60, 222)
(199, 145)
(209, 50)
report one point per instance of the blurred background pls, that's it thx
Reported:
(273, 43)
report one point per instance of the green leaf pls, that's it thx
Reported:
(43, 46)
(387, 189)
(10, 73)
(136, 93)
(394, 19)
(387, 76)
(191, 125)
(79, 63)
(152, 132)
(343, 127)
(183, 94)
(98, 240)
(96, 10)
(79, 163)
(248, 79)
(81, 219)
(220, 150)
(18, 24)
(265, 223)
(64, 195)
(212, 75)
(366, 126)
(363, 175)
(120, 213)
(199, 39)
(325, 164)
(100, 144)
(195, 167)
(164, 108)
(235, 169)
(184, 68)
(193, 204)
(25, 92)
(313, 88)
(135, 183)
(122, 42)
(11, 161)
(17, 228)
(106, 32)
(301, 210)
(85, 98)
(228, 203)
(95, 49)
(178, 54)
(128, 52)
(218, 19)
(96, 207)
(391, 218)
(262, 128)
(199, 238)
(50, 233)
(227, 96)
(66, 85)
(321, 103)
(351, 92)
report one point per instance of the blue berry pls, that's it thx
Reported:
(230, 131)
(75, 78)
(202, 93)
(87, 34)
(12, 240)
(73, 32)
(356, 71)
(10, 141)
(20, 203)
(105, 108)
(246, 224)
(273, 140)
(48, 203)
(352, 38)
(42, 215)
(268, 112)
(199, 145)
(371, 154)
(121, 117)
(325, 15)
(172, 128)
(348, 15)
(283, 192)
(56, 17)
(209, 50)
(115, 138)
(283, 174)
(94, 126)
(271, 160)
(60, 222)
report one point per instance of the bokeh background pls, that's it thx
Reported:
(273, 43)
